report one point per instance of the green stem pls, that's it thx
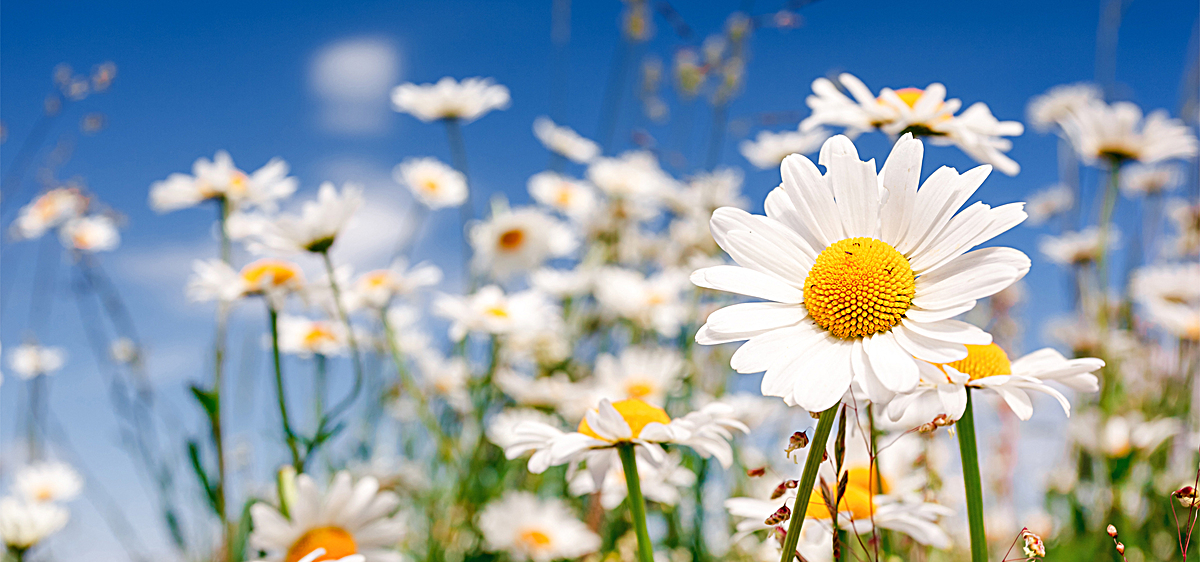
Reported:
(354, 356)
(288, 434)
(637, 503)
(410, 386)
(320, 386)
(1105, 224)
(216, 427)
(816, 452)
(458, 157)
(972, 482)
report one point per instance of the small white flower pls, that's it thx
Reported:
(1150, 179)
(572, 198)
(449, 99)
(305, 337)
(563, 283)
(1119, 133)
(219, 178)
(48, 482)
(95, 233)
(634, 177)
(565, 141)
(490, 311)
(653, 303)
(31, 360)
(1076, 248)
(768, 149)
(537, 530)
(318, 224)
(274, 279)
(1170, 296)
(519, 240)
(709, 191)
(646, 373)
(1048, 203)
(24, 524)
(432, 182)
(47, 211)
(1055, 106)
(446, 378)
(375, 289)
(660, 483)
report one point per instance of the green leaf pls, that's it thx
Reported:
(237, 543)
(207, 399)
(210, 491)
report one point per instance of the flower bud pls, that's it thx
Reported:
(1112, 531)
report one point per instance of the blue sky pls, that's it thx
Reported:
(240, 76)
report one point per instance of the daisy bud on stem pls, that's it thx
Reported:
(804, 490)
(637, 503)
(972, 482)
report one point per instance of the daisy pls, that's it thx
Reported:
(768, 149)
(95, 233)
(449, 99)
(304, 337)
(490, 311)
(660, 483)
(47, 211)
(563, 283)
(634, 177)
(220, 179)
(980, 135)
(519, 240)
(318, 224)
(645, 373)
(708, 191)
(629, 421)
(570, 197)
(24, 524)
(320, 552)
(556, 392)
(30, 360)
(1076, 248)
(1118, 133)
(651, 303)
(432, 182)
(274, 279)
(376, 289)
(1150, 179)
(1186, 218)
(446, 378)
(539, 530)
(943, 388)
(1121, 435)
(565, 141)
(1170, 295)
(350, 518)
(1057, 105)
(1048, 203)
(48, 482)
(859, 287)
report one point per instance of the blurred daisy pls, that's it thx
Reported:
(95, 233)
(350, 518)
(450, 99)
(1139, 180)
(1118, 133)
(660, 483)
(768, 149)
(563, 283)
(1049, 203)
(1121, 435)
(30, 360)
(1076, 248)
(633, 176)
(519, 240)
(540, 530)
(564, 141)
(490, 311)
(24, 524)
(220, 179)
(630, 421)
(1185, 216)
(318, 224)
(556, 392)
(376, 289)
(305, 337)
(859, 286)
(1059, 103)
(980, 135)
(986, 367)
(572, 198)
(708, 191)
(215, 280)
(1170, 295)
(646, 373)
(48, 482)
(47, 211)
(432, 182)
(446, 378)
(652, 303)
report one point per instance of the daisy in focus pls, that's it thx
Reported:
(564, 141)
(350, 518)
(538, 530)
(858, 286)
(768, 149)
(519, 240)
(220, 179)
(450, 99)
(1119, 133)
(433, 183)
(943, 388)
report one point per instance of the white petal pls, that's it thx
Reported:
(822, 378)
(926, 348)
(954, 331)
(894, 367)
(754, 318)
(812, 199)
(749, 282)
(762, 351)
(900, 176)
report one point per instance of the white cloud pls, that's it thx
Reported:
(351, 79)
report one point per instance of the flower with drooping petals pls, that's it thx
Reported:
(1119, 133)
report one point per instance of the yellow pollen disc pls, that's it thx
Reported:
(511, 240)
(238, 184)
(497, 311)
(910, 95)
(317, 335)
(336, 541)
(636, 413)
(377, 278)
(430, 185)
(983, 361)
(80, 240)
(859, 287)
(262, 273)
(564, 196)
(639, 389)
(44, 495)
(861, 488)
(534, 539)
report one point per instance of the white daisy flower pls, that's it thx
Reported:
(865, 112)
(450, 99)
(565, 141)
(1170, 296)
(30, 360)
(48, 482)
(646, 373)
(859, 286)
(1048, 203)
(305, 337)
(943, 388)
(95, 233)
(446, 378)
(629, 421)
(432, 182)
(490, 311)
(980, 135)
(1120, 435)
(319, 554)
(219, 178)
(572, 198)
(1076, 248)
(539, 530)
(556, 391)
(1118, 133)
(652, 303)
(1185, 216)
(1052, 108)
(376, 289)
(24, 524)
(707, 191)
(768, 149)
(660, 483)
(350, 518)
(47, 211)
(1139, 180)
(519, 240)
(318, 224)
(634, 177)
(214, 279)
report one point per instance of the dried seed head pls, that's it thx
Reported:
(1033, 544)
(782, 514)
(756, 472)
(782, 488)
(1112, 531)
(1121, 549)
(1186, 496)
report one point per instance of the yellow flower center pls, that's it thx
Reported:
(337, 542)
(861, 487)
(430, 185)
(983, 361)
(511, 240)
(44, 494)
(376, 279)
(563, 198)
(317, 335)
(497, 311)
(238, 183)
(910, 95)
(859, 287)
(639, 389)
(534, 539)
(265, 273)
(636, 413)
